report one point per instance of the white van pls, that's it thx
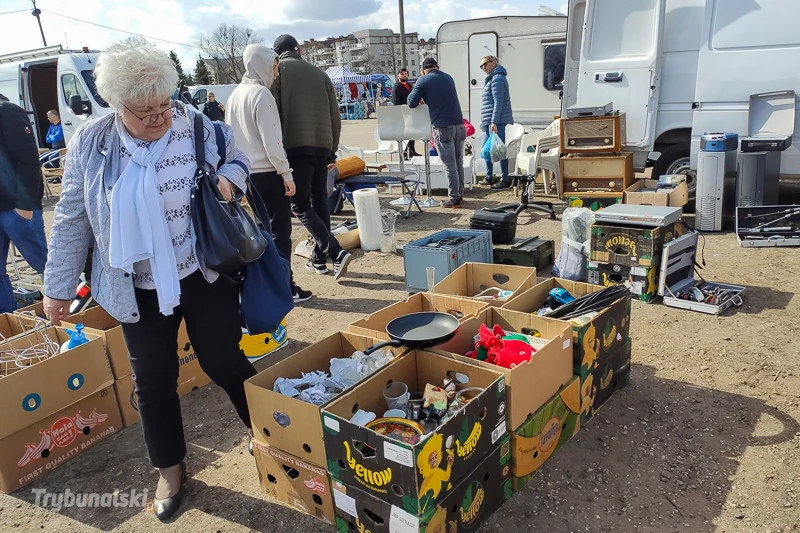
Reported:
(681, 68)
(200, 94)
(53, 78)
(532, 49)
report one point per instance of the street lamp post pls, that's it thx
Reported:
(36, 12)
(402, 37)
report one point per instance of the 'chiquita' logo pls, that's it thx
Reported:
(466, 449)
(369, 477)
(550, 434)
(472, 504)
(621, 241)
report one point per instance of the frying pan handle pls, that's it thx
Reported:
(384, 344)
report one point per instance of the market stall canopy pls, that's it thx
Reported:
(341, 74)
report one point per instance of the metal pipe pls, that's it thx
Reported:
(36, 12)
(402, 38)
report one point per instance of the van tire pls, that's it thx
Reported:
(675, 160)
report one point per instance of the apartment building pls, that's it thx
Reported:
(368, 51)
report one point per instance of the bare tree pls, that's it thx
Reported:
(224, 50)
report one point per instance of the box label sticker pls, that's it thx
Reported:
(593, 264)
(502, 385)
(345, 503)
(566, 344)
(398, 454)
(402, 522)
(499, 431)
(332, 423)
(636, 288)
(638, 271)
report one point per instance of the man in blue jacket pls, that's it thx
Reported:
(438, 90)
(495, 113)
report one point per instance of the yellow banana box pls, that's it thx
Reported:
(544, 432)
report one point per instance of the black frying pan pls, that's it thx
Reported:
(419, 330)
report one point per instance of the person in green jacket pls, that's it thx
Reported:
(311, 126)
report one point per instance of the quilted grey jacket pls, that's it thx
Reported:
(83, 214)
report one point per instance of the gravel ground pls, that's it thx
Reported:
(705, 439)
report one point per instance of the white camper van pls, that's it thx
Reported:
(531, 48)
(681, 68)
(53, 78)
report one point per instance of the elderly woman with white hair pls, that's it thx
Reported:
(127, 185)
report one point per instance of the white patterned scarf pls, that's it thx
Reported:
(139, 230)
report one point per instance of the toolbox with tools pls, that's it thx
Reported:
(768, 226)
(681, 289)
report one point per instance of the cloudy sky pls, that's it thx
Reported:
(176, 21)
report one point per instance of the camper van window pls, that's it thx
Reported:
(88, 78)
(71, 86)
(554, 60)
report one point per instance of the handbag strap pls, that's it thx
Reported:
(199, 141)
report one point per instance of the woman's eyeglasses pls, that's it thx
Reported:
(152, 119)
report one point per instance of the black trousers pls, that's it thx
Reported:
(310, 204)
(411, 147)
(211, 312)
(270, 187)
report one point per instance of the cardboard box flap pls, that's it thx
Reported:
(31, 393)
(14, 324)
(533, 299)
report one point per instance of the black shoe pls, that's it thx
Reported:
(504, 184)
(319, 268)
(488, 181)
(453, 204)
(341, 263)
(300, 295)
(166, 508)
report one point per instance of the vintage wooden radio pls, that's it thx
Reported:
(596, 173)
(593, 134)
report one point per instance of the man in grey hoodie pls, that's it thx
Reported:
(253, 115)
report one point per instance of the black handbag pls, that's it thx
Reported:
(227, 237)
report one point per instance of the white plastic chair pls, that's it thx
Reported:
(514, 134)
(384, 147)
(545, 157)
(347, 151)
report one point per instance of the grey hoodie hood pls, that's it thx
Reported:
(258, 60)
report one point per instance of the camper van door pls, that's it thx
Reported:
(480, 44)
(621, 63)
(577, 15)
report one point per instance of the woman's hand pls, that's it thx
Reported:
(56, 310)
(225, 188)
(493, 128)
(27, 215)
(290, 188)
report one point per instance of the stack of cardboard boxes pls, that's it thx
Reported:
(629, 255)
(97, 321)
(54, 408)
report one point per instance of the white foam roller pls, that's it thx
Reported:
(368, 216)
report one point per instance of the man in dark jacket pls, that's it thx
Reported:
(21, 190)
(213, 109)
(400, 94)
(311, 126)
(439, 92)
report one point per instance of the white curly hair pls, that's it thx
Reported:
(134, 73)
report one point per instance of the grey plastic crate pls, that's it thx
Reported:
(417, 256)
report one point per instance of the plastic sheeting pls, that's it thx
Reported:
(576, 223)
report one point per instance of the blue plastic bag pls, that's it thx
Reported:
(486, 151)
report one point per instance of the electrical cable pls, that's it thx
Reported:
(122, 31)
(13, 12)
(595, 301)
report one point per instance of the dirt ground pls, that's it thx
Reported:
(705, 439)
